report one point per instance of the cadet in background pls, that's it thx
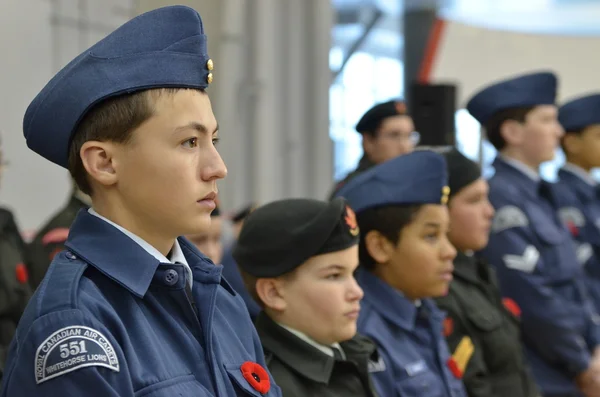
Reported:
(51, 237)
(531, 250)
(405, 260)
(298, 257)
(210, 242)
(15, 290)
(231, 271)
(387, 131)
(578, 194)
(481, 328)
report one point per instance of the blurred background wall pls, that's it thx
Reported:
(292, 77)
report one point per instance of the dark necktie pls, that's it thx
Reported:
(546, 191)
(337, 354)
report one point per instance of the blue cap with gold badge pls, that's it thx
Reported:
(580, 113)
(162, 48)
(417, 178)
(528, 90)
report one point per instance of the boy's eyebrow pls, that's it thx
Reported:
(334, 266)
(432, 224)
(196, 126)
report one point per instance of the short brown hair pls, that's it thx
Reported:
(493, 125)
(388, 220)
(250, 284)
(112, 120)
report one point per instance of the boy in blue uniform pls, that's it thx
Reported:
(130, 309)
(406, 259)
(579, 199)
(530, 249)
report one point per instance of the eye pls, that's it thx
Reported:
(191, 143)
(216, 141)
(433, 237)
(333, 276)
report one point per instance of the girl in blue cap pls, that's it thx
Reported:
(406, 259)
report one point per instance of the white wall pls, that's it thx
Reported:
(474, 56)
(30, 185)
(37, 38)
(270, 93)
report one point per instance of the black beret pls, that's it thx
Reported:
(461, 171)
(243, 213)
(278, 237)
(371, 120)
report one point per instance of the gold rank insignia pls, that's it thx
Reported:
(463, 353)
(445, 194)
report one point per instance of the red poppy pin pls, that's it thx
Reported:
(512, 307)
(448, 327)
(400, 107)
(350, 219)
(454, 368)
(257, 376)
(21, 273)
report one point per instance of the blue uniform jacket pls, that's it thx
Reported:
(536, 264)
(231, 272)
(579, 209)
(413, 353)
(110, 320)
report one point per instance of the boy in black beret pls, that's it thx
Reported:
(297, 257)
(387, 131)
(477, 316)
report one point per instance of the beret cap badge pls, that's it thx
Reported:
(350, 219)
(400, 107)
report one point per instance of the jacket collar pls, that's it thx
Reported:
(304, 357)
(121, 258)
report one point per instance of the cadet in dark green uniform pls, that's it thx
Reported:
(387, 131)
(297, 257)
(14, 280)
(482, 329)
(51, 237)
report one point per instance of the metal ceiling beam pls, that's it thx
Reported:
(369, 25)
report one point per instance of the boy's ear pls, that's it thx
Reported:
(271, 292)
(378, 247)
(98, 160)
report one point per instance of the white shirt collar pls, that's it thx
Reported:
(176, 252)
(325, 349)
(522, 168)
(580, 172)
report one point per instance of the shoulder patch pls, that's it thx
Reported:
(72, 348)
(571, 215)
(584, 252)
(572, 218)
(508, 217)
(376, 366)
(54, 236)
(526, 262)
